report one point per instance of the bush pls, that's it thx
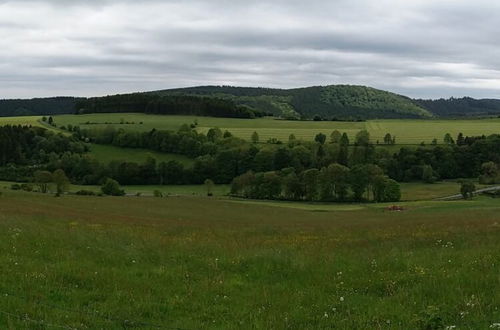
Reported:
(85, 193)
(112, 188)
(157, 193)
(27, 187)
(15, 186)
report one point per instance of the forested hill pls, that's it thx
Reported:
(458, 107)
(38, 106)
(335, 102)
(327, 102)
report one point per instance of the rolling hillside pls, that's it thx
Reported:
(327, 102)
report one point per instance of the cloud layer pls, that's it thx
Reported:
(421, 48)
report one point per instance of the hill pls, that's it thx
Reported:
(328, 102)
(37, 106)
(459, 107)
(334, 102)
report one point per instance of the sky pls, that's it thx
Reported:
(419, 48)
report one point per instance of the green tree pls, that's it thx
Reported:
(362, 138)
(388, 139)
(489, 173)
(112, 188)
(467, 189)
(42, 180)
(359, 179)
(335, 136)
(292, 187)
(310, 181)
(344, 150)
(333, 182)
(214, 134)
(448, 139)
(340, 175)
(320, 138)
(61, 181)
(209, 186)
(255, 137)
(428, 174)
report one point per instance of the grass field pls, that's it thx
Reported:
(148, 190)
(406, 131)
(192, 262)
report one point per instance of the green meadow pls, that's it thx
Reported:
(406, 131)
(198, 262)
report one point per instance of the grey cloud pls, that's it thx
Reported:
(421, 48)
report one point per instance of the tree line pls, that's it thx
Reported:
(166, 105)
(333, 183)
(221, 157)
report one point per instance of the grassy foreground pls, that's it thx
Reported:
(192, 262)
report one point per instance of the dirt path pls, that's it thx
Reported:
(459, 196)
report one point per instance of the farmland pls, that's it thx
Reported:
(406, 131)
(192, 262)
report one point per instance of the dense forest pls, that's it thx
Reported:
(461, 107)
(38, 106)
(328, 102)
(166, 105)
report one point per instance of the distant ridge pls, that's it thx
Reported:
(333, 102)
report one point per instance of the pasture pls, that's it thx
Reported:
(193, 262)
(406, 131)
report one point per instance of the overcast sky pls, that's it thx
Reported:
(420, 48)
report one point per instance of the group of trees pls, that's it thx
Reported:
(448, 161)
(167, 105)
(333, 183)
(37, 106)
(185, 141)
(23, 145)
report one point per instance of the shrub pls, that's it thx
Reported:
(85, 193)
(112, 188)
(15, 186)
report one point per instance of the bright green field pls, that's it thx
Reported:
(209, 263)
(406, 131)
